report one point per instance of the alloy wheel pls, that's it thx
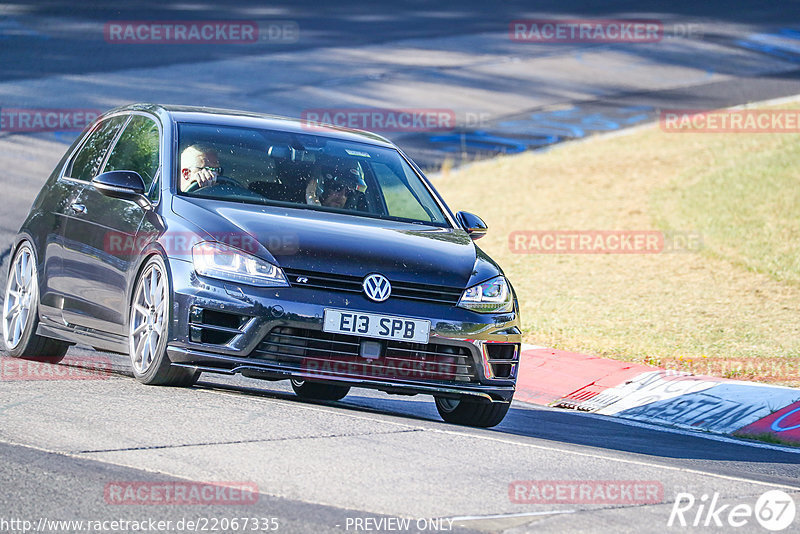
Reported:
(21, 294)
(148, 318)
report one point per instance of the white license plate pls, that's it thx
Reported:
(376, 326)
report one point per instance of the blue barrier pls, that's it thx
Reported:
(766, 43)
(541, 129)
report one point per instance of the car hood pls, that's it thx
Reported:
(310, 240)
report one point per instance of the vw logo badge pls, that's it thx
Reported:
(377, 287)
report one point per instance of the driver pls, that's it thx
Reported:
(200, 165)
(336, 185)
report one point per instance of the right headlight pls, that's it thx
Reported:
(216, 260)
(491, 296)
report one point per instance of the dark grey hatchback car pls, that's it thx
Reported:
(200, 240)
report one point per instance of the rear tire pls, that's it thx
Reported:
(20, 315)
(148, 327)
(319, 390)
(480, 414)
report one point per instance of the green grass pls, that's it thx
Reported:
(747, 204)
(768, 438)
(729, 309)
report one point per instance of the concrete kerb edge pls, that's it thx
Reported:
(622, 398)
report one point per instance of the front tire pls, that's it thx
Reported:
(21, 312)
(148, 325)
(319, 390)
(480, 414)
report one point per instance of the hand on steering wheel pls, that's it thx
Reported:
(220, 180)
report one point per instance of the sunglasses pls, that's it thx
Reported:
(335, 188)
(217, 170)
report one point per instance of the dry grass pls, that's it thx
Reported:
(731, 309)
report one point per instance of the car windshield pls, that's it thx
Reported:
(250, 165)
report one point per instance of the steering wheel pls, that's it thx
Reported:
(222, 181)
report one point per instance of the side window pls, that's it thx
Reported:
(399, 200)
(86, 164)
(137, 150)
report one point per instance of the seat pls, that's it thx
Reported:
(290, 188)
(271, 190)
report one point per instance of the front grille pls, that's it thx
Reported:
(352, 284)
(313, 351)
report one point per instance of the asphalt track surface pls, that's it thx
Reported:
(51, 37)
(320, 466)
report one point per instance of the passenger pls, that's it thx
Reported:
(336, 186)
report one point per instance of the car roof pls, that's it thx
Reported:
(228, 117)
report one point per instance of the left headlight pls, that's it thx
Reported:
(491, 296)
(216, 260)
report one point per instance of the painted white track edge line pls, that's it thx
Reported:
(628, 461)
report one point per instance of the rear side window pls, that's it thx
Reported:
(137, 150)
(86, 164)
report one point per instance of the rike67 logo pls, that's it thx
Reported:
(774, 511)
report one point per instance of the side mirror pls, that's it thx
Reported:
(474, 225)
(127, 185)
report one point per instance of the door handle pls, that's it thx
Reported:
(78, 208)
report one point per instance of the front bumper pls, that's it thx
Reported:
(242, 317)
